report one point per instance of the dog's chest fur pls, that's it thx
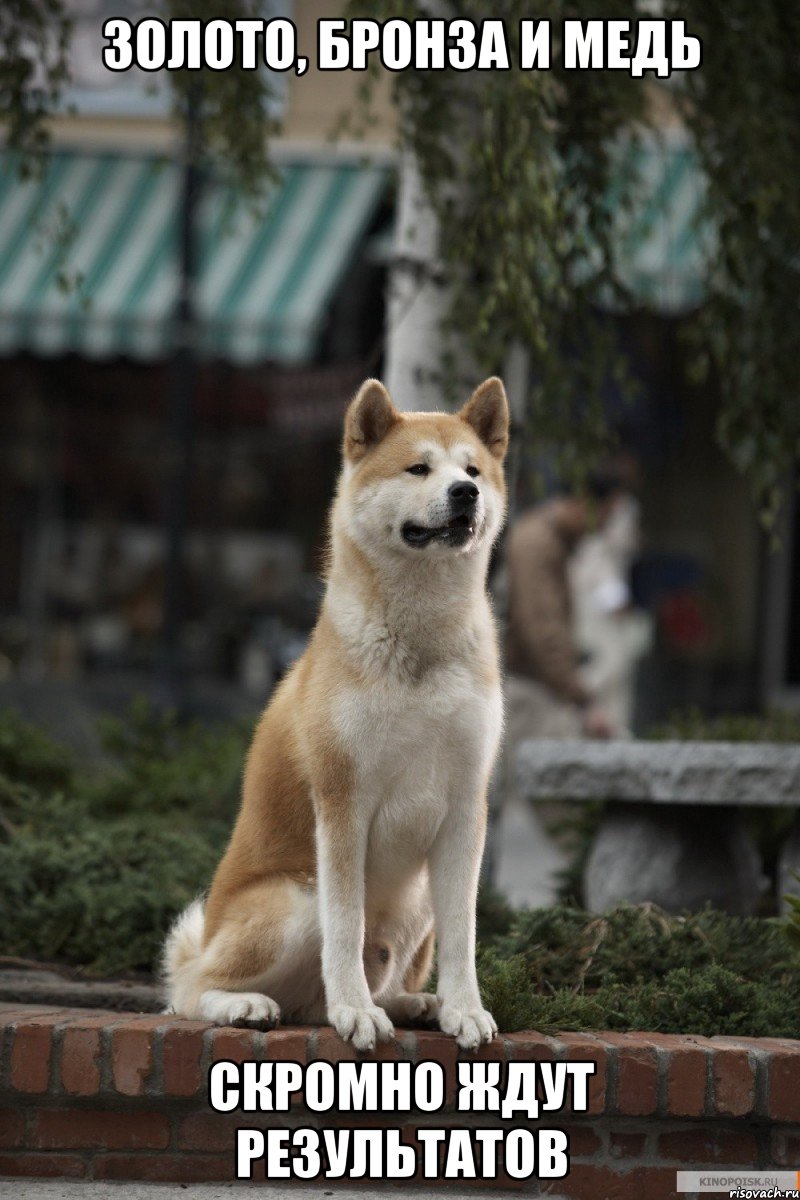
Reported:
(417, 738)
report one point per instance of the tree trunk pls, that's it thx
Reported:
(417, 299)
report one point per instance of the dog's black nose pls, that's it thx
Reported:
(462, 494)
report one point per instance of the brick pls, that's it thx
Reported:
(80, 1061)
(626, 1145)
(331, 1047)
(165, 1168)
(583, 1140)
(580, 1048)
(530, 1047)
(41, 1166)
(687, 1073)
(83, 1016)
(637, 1083)
(589, 1182)
(11, 1013)
(132, 1057)
(233, 1045)
(657, 1183)
(637, 1074)
(396, 1049)
(442, 1049)
(751, 1043)
(212, 1132)
(685, 1068)
(291, 1045)
(493, 1051)
(785, 1148)
(358, 1119)
(784, 1086)
(772, 1045)
(585, 1182)
(606, 1165)
(183, 1049)
(419, 1180)
(288, 1045)
(709, 1147)
(733, 1083)
(32, 1052)
(404, 1044)
(12, 1128)
(503, 1183)
(78, 1129)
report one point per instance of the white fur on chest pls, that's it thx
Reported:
(416, 750)
(393, 731)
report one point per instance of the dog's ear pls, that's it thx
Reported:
(487, 412)
(369, 418)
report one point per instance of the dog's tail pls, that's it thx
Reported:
(182, 950)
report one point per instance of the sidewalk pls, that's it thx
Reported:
(60, 1189)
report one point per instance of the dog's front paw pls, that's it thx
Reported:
(468, 1025)
(413, 1006)
(250, 1009)
(361, 1026)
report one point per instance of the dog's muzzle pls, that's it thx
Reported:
(462, 498)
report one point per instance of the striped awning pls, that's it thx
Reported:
(89, 257)
(663, 245)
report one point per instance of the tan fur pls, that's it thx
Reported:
(301, 782)
(417, 974)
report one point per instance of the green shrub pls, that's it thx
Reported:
(710, 1002)
(638, 968)
(691, 725)
(160, 765)
(95, 863)
(30, 756)
(792, 923)
(567, 947)
(100, 894)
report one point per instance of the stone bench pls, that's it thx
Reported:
(672, 832)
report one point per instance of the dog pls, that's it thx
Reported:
(363, 812)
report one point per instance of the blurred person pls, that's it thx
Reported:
(611, 634)
(547, 695)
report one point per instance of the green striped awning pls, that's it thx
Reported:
(663, 246)
(89, 252)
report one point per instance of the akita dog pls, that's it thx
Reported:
(364, 799)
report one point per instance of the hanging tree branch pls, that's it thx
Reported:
(526, 200)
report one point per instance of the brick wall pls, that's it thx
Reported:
(103, 1095)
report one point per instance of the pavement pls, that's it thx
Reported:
(28, 982)
(62, 1189)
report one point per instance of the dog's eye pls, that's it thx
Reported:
(419, 469)
(472, 471)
